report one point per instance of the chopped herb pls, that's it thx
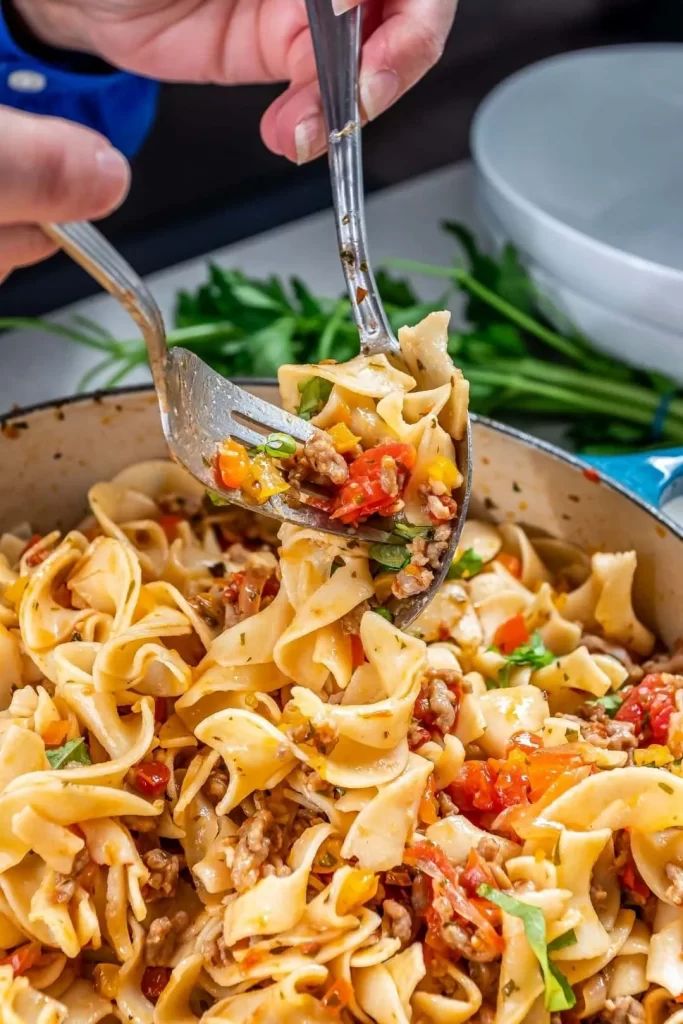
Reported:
(465, 567)
(243, 639)
(410, 532)
(558, 992)
(73, 752)
(277, 446)
(533, 653)
(572, 735)
(562, 941)
(666, 787)
(215, 498)
(385, 613)
(611, 702)
(337, 563)
(314, 394)
(509, 988)
(390, 556)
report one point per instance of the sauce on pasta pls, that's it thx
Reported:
(233, 792)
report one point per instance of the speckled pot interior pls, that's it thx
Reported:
(51, 455)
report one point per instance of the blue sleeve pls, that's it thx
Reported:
(121, 106)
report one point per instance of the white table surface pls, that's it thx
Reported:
(402, 221)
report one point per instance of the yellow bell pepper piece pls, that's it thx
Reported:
(342, 438)
(357, 888)
(655, 755)
(15, 591)
(382, 584)
(444, 471)
(264, 480)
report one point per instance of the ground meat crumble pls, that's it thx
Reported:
(163, 937)
(320, 462)
(398, 920)
(164, 869)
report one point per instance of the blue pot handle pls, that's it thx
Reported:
(654, 476)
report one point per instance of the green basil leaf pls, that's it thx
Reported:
(390, 556)
(73, 752)
(279, 446)
(611, 702)
(558, 991)
(465, 567)
(534, 653)
(410, 532)
(385, 613)
(314, 394)
(215, 498)
(562, 941)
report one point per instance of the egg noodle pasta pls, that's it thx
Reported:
(232, 791)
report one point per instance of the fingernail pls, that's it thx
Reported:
(309, 139)
(113, 165)
(378, 91)
(342, 6)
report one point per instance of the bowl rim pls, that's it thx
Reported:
(536, 215)
(576, 463)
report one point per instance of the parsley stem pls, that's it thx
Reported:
(567, 375)
(561, 344)
(572, 399)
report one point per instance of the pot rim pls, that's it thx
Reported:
(503, 428)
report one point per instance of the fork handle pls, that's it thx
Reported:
(336, 44)
(90, 249)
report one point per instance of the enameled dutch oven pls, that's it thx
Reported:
(51, 454)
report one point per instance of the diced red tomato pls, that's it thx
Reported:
(160, 709)
(649, 706)
(232, 464)
(489, 787)
(23, 958)
(150, 778)
(511, 634)
(337, 997)
(233, 586)
(526, 741)
(511, 563)
(446, 881)
(169, 524)
(357, 652)
(363, 495)
(38, 556)
(477, 872)
(154, 981)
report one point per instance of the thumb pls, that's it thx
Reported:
(53, 170)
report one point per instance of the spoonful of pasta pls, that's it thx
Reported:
(375, 450)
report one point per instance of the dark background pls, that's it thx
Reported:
(204, 179)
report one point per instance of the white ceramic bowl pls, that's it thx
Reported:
(580, 160)
(634, 341)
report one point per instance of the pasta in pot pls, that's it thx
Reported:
(233, 792)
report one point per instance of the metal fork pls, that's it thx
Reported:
(336, 44)
(199, 408)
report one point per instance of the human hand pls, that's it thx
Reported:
(247, 41)
(51, 170)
